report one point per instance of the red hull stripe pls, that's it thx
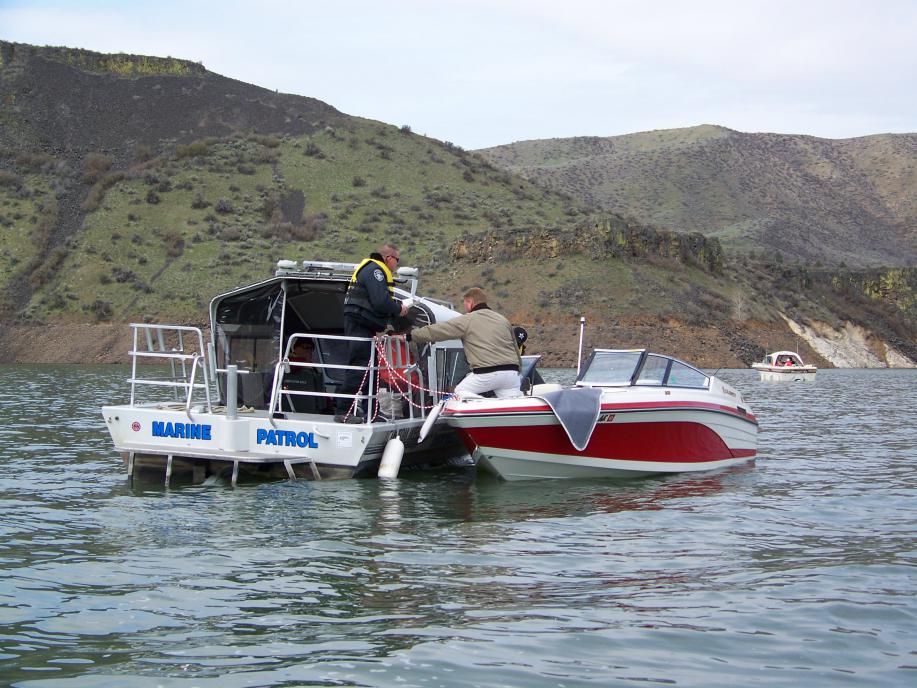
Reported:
(606, 408)
(683, 442)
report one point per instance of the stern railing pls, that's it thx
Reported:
(170, 344)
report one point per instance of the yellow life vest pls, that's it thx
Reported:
(389, 279)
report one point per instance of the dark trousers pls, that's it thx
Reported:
(357, 355)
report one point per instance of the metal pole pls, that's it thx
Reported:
(579, 355)
(232, 385)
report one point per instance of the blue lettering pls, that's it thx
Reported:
(281, 438)
(187, 431)
(306, 439)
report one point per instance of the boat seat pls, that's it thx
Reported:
(544, 388)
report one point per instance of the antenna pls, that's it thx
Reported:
(579, 355)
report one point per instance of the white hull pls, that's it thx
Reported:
(301, 445)
(787, 374)
(511, 466)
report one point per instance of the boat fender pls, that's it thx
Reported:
(391, 458)
(428, 423)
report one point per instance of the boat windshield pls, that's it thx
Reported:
(610, 367)
(623, 368)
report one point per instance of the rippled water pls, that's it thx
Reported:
(798, 570)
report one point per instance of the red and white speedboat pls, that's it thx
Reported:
(630, 413)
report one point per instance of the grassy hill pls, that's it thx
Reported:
(151, 211)
(137, 188)
(833, 201)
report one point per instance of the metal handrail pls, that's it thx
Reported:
(188, 378)
(283, 366)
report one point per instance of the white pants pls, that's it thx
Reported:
(503, 383)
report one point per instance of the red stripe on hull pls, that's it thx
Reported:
(607, 408)
(669, 441)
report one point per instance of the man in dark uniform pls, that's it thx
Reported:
(368, 307)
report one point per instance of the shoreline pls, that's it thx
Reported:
(708, 347)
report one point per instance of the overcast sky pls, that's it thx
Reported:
(486, 72)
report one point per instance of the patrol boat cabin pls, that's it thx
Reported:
(258, 395)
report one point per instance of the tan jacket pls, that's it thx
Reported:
(486, 335)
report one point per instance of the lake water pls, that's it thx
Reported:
(797, 570)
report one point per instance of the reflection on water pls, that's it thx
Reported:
(794, 570)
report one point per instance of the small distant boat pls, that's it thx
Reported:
(630, 413)
(784, 366)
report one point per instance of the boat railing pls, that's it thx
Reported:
(394, 363)
(181, 347)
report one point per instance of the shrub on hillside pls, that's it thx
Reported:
(195, 149)
(230, 234)
(142, 152)
(175, 244)
(43, 271)
(224, 206)
(10, 179)
(94, 166)
(101, 310)
(314, 151)
(34, 161)
(286, 231)
(97, 193)
(315, 224)
(266, 140)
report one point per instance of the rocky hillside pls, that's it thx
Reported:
(804, 199)
(137, 188)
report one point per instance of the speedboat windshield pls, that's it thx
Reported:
(607, 368)
(611, 367)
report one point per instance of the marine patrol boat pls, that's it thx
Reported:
(243, 403)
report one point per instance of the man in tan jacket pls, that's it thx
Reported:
(490, 347)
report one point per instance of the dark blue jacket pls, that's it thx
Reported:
(369, 299)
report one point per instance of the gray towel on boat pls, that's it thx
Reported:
(577, 409)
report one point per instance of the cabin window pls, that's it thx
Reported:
(248, 335)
